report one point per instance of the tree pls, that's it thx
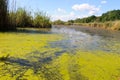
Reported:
(87, 19)
(59, 22)
(70, 22)
(42, 20)
(110, 16)
(3, 14)
(23, 18)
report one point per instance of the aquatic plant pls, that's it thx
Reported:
(32, 57)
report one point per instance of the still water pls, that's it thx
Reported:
(76, 39)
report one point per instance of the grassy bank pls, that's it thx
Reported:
(112, 25)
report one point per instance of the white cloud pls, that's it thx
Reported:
(86, 7)
(103, 2)
(92, 12)
(65, 17)
(86, 10)
(62, 14)
(61, 10)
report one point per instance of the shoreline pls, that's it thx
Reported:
(93, 30)
(110, 25)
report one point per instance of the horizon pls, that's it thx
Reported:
(68, 9)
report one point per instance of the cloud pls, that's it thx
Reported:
(86, 7)
(103, 2)
(62, 14)
(86, 10)
(65, 17)
(61, 10)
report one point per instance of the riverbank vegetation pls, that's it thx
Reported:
(10, 20)
(111, 25)
(24, 18)
(108, 20)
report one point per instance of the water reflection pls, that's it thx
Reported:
(76, 39)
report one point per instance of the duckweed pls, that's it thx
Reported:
(31, 57)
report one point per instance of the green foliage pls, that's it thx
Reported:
(23, 18)
(20, 18)
(108, 16)
(12, 19)
(86, 20)
(58, 22)
(70, 22)
(41, 20)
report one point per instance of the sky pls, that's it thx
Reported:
(68, 9)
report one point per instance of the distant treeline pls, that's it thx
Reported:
(10, 20)
(108, 16)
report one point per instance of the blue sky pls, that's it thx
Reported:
(69, 9)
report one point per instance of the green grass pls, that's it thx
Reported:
(32, 58)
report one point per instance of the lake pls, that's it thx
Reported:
(60, 53)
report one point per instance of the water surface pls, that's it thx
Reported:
(77, 38)
(60, 53)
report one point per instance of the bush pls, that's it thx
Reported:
(58, 22)
(41, 20)
(23, 18)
